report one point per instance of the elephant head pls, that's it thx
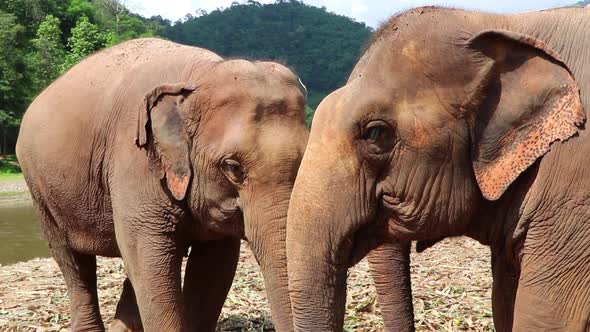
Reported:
(229, 145)
(440, 116)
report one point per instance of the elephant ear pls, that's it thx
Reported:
(159, 115)
(523, 100)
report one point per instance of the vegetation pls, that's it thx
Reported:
(9, 167)
(47, 54)
(41, 39)
(322, 47)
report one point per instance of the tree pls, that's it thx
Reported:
(85, 40)
(12, 85)
(118, 9)
(8, 120)
(31, 51)
(309, 112)
(11, 64)
(121, 24)
(78, 8)
(48, 53)
(322, 47)
(30, 13)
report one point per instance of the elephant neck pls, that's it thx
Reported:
(502, 224)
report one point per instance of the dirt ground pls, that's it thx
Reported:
(451, 284)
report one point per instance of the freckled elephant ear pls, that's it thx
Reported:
(159, 115)
(523, 100)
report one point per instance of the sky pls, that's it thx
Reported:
(372, 12)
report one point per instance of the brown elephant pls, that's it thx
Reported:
(390, 269)
(455, 123)
(148, 148)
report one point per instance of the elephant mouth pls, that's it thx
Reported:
(360, 246)
(227, 221)
(365, 239)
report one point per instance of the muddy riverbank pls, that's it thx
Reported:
(21, 238)
(13, 189)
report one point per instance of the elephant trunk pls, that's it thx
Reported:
(317, 284)
(324, 215)
(390, 267)
(266, 233)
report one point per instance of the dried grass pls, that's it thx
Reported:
(451, 285)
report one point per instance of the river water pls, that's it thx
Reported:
(21, 238)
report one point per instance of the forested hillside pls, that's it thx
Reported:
(322, 47)
(41, 39)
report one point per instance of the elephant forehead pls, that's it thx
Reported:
(281, 135)
(414, 55)
(277, 154)
(237, 128)
(271, 75)
(420, 117)
(256, 96)
(349, 104)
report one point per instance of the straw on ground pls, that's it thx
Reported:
(451, 286)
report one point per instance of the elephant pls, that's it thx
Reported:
(454, 123)
(389, 265)
(149, 148)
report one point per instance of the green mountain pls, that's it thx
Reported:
(321, 46)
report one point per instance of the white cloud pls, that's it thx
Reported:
(369, 11)
(170, 9)
(359, 8)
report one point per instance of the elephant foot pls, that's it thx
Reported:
(119, 326)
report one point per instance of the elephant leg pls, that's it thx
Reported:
(549, 301)
(554, 282)
(390, 267)
(153, 261)
(127, 318)
(208, 277)
(504, 289)
(79, 272)
(534, 311)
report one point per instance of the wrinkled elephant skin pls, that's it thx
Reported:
(454, 123)
(149, 148)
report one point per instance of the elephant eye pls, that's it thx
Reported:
(373, 133)
(378, 136)
(233, 170)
